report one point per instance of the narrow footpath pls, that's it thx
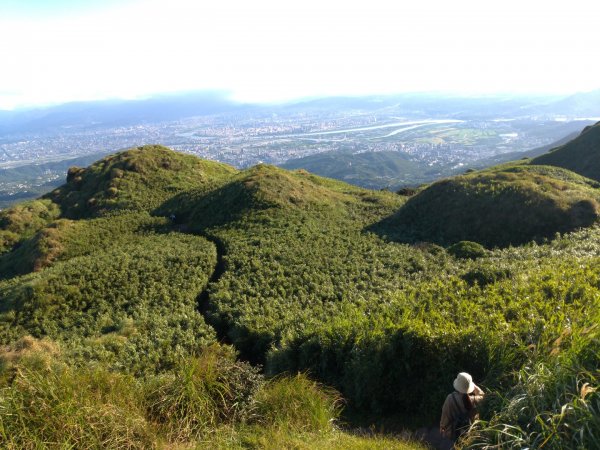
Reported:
(203, 300)
(429, 435)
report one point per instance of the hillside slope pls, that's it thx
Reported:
(581, 155)
(300, 274)
(140, 178)
(373, 170)
(512, 204)
(503, 158)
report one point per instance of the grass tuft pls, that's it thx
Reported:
(299, 403)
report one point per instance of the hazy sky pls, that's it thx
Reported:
(270, 50)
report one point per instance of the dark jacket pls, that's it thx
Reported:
(454, 409)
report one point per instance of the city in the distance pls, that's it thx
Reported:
(378, 142)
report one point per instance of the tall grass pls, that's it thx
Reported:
(298, 402)
(555, 402)
(207, 401)
(202, 393)
(63, 407)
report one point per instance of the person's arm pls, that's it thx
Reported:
(477, 395)
(446, 420)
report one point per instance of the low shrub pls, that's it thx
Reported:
(467, 250)
(485, 275)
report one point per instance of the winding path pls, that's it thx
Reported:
(429, 435)
(203, 300)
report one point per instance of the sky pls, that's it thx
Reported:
(277, 50)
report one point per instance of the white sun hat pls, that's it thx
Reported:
(464, 383)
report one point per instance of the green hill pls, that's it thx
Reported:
(140, 178)
(503, 158)
(373, 170)
(115, 314)
(581, 155)
(512, 204)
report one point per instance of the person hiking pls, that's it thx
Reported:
(460, 408)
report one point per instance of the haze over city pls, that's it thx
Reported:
(265, 51)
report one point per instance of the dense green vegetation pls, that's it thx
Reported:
(373, 170)
(132, 307)
(581, 155)
(138, 179)
(302, 274)
(511, 204)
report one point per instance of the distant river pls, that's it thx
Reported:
(389, 125)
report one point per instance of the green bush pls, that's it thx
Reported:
(23, 220)
(467, 250)
(485, 275)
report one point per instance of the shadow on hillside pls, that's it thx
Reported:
(497, 224)
(200, 209)
(389, 229)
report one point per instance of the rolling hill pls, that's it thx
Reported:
(372, 170)
(581, 155)
(513, 156)
(161, 299)
(508, 205)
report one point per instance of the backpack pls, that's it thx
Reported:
(461, 423)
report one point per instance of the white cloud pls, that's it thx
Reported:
(269, 50)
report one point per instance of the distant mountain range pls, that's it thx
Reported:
(177, 106)
(116, 112)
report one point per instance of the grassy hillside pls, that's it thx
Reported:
(511, 204)
(140, 178)
(300, 274)
(513, 156)
(120, 293)
(373, 170)
(581, 155)
(132, 306)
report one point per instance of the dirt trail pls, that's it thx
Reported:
(218, 271)
(203, 300)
